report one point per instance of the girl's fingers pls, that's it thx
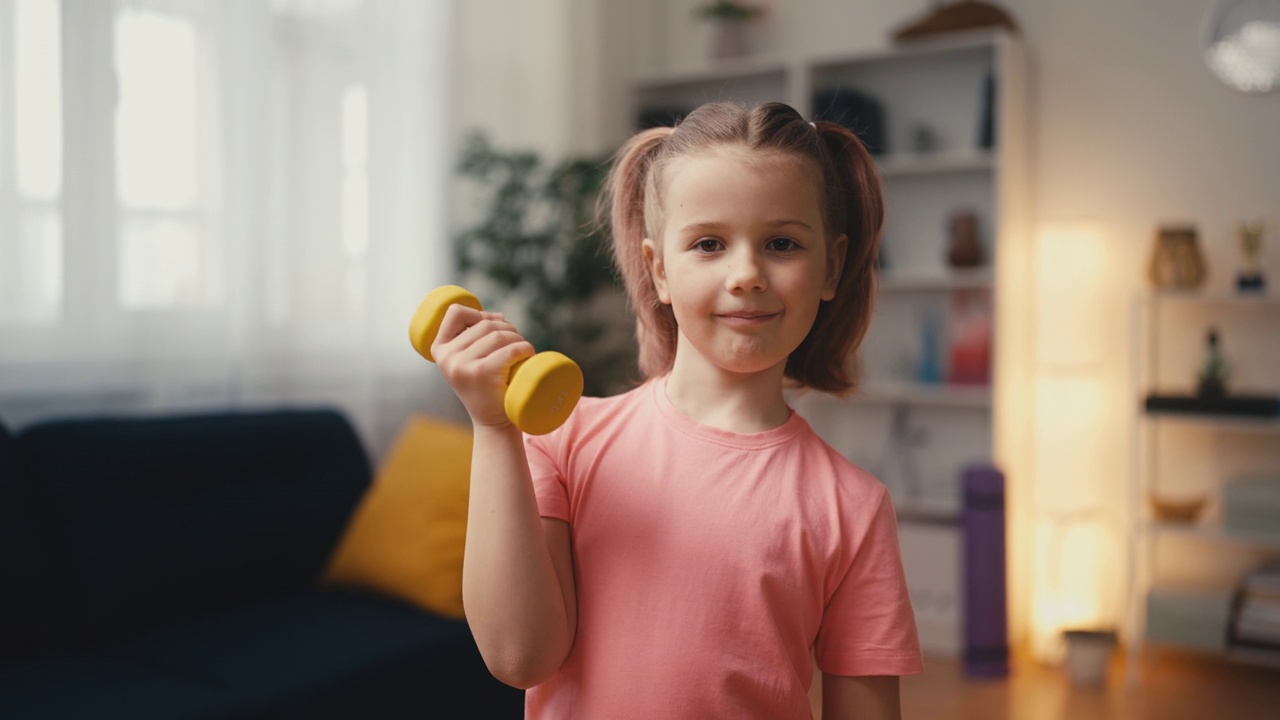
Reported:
(489, 352)
(461, 326)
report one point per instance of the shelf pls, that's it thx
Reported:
(928, 512)
(709, 73)
(937, 281)
(1160, 320)
(956, 396)
(1223, 422)
(913, 164)
(963, 41)
(1216, 533)
(1212, 297)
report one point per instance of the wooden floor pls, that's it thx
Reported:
(1172, 686)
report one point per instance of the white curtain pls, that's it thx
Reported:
(209, 205)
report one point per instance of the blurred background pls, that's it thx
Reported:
(239, 204)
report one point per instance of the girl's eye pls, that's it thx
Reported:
(782, 244)
(707, 245)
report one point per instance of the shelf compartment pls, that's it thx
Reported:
(940, 395)
(1216, 533)
(898, 281)
(928, 512)
(1191, 617)
(931, 48)
(909, 164)
(752, 68)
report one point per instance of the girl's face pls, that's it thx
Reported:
(743, 259)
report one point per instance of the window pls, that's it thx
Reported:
(167, 247)
(211, 202)
(31, 279)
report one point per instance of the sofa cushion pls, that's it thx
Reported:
(38, 610)
(327, 642)
(406, 538)
(319, 655)
(174, 517)
(106, 687)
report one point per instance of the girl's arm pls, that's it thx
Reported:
(517, 574)
(873, 697)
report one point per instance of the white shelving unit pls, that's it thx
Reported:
(1168, 327)
(941, 84)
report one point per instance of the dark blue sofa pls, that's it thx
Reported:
(167, 568)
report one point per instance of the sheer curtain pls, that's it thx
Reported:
(210, 205)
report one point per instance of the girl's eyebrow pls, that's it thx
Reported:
(711, 225)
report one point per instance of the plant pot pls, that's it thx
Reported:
(730, 39)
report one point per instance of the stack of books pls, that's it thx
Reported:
(1257, 620)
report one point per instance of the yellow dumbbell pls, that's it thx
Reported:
(541, 391)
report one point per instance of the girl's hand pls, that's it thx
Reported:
(475, 350)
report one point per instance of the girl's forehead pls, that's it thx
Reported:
(724, 169)
(733, 186)
(745, 157)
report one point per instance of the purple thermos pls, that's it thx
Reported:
(986, 631)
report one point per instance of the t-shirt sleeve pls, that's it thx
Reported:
(868, 627)
(546, 467)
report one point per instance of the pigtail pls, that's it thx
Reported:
(626, 190)
(827, 358)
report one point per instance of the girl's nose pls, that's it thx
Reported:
(746, 273)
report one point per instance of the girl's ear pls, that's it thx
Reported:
(657, 271)
(835, 266)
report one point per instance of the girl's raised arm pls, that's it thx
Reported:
(517, 572)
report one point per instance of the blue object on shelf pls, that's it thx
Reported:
(929, 370)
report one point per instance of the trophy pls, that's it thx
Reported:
(1250, 278)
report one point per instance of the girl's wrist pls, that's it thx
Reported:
(494, 427)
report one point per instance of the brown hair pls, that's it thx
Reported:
(852, 206)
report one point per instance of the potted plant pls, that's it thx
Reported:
(537, 243)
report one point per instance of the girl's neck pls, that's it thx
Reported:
(741, 403)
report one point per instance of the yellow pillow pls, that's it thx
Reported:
(405, 539)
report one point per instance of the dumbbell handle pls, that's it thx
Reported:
(541, 390)
(426, 321)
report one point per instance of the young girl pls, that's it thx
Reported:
(689, 548)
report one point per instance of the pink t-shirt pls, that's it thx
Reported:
(711, 565)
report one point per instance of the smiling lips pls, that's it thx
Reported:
(746, 318)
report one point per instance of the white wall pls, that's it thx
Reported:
(513, 68)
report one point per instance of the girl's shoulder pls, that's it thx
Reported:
(590, 407)
(847, 474)
(593, 414)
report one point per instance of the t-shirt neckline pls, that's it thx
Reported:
(746, 441)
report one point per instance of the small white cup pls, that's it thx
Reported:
(1088, 655)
